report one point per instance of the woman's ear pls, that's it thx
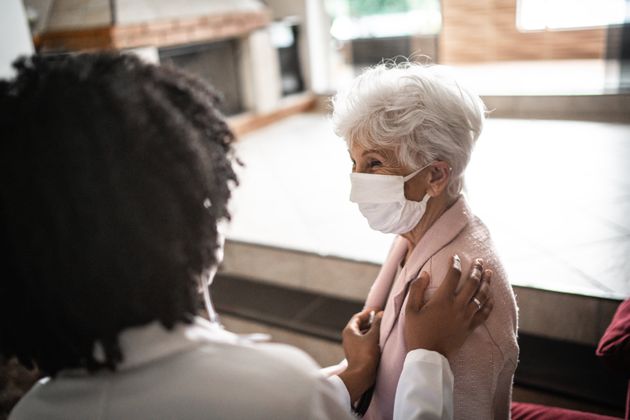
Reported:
(438, 178)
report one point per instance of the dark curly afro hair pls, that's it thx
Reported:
(114, 174)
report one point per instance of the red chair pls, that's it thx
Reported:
(614, 347)
(614, 350)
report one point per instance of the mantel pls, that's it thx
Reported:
(160, 33)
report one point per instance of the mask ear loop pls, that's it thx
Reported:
(206, 281)
(426, 197)
(213, 316)
(414, 173)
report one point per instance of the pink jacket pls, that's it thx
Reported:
(484, 367)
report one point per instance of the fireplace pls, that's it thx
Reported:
(223, 42)
(229, 43)
(215, 62)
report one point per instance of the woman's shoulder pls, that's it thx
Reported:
(475, 242)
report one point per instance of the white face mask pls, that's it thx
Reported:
(382, 201)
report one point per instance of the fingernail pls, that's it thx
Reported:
(457, 263)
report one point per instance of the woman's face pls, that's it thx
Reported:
(384, 162)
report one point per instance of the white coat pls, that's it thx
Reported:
(204, 372)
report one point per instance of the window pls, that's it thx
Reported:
(359, 19)
(535, 15)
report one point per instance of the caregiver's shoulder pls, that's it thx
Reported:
(211, 380)
(252, 365)
(281, 357)
(281, 380)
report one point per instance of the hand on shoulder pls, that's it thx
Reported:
(444, 322)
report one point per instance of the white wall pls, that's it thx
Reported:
(314, 38)
(15, 35)
(318, 26)
(260, 72)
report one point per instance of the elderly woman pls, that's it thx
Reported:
(410, 131)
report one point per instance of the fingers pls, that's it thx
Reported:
(484, 290)
(362, 317)
(375, 328)
(365, 322)
(471, 283)
(482, 315)
(483, 295)
(449, 284)
(358, 320)
(417, 288)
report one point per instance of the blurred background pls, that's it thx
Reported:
(549, 175)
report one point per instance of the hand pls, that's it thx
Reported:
(447, 319)
(360, 345)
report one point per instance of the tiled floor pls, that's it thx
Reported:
(555, 195)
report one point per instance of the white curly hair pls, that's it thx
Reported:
(418, 111)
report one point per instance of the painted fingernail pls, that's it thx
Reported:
(457, 263)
